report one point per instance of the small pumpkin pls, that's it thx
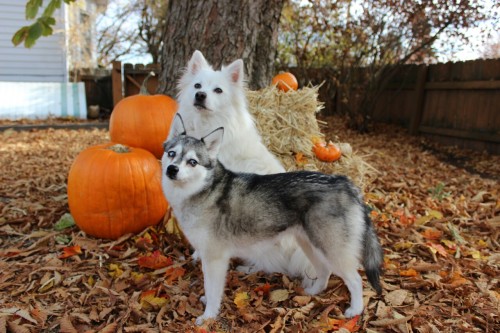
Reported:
(326, 152)
(143, 120)
(114, 190)
(285, 81)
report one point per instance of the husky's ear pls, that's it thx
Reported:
(236, 71)
(213, 141)
(197, 62)
(177, 127)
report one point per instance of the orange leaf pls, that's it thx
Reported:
(334, 324)
(173, 273)
(437, 248)
(70, 251)
(352, 325)
(457, 280)
(154, 261)
(432, 234)
(264, 289)
(408, 272)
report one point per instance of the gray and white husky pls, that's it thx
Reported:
(225, 214)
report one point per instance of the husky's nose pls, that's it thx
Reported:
(172, 171)
(200, 96)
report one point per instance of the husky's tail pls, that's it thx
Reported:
(372, 254)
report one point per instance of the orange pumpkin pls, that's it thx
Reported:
(143, 121)
(326, 152)
(114, 190)
(285, 81)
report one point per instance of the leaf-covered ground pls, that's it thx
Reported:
(438, 224)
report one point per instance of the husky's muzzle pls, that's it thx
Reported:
(172, 171)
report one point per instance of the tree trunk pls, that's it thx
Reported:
(223, 30)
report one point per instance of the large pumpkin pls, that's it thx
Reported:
(114, 190)
(143, 121)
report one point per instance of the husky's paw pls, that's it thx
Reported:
(352, 312)
(204, 317)
(200, 320)
(307, 283)
(203, 299)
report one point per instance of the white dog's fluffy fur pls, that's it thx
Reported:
(223, 104)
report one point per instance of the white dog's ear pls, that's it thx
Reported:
(197, 62)
(236, 71)
(177, 127)
(213, 141)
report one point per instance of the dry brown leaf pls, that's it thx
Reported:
(396, 297)
(15, 327)
(111, 328)
(66, 326)
(279, 295)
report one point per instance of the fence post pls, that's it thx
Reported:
(416, 117)
(116, 81)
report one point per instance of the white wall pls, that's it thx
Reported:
(44, 62)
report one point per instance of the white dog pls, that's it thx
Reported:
(210, 99)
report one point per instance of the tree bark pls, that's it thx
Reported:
(223, 30)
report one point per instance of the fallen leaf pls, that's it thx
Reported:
(432, 234)
(70, 251)
(279, 295)
(437, 248)
(241, 300)
(408, 272)
(154, 260)
(115, 271)
(457, 280)
(396, 297)
(150, 301)
(264, 289)
(66, 221)
(174, 273)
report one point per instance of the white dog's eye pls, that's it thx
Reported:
(192, 162)
(218, 90)
(197, 85)
(171, 154)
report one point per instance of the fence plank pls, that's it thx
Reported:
(416, 116)
(116, 80)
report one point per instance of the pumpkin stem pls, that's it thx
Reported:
(119, 148)
(144, 87)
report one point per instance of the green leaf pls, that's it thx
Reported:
(51, 8)
(32, 7)
(46, 23)
(66, 221)
(20, 35)
(35, 31)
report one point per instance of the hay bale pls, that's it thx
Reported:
(287, 123)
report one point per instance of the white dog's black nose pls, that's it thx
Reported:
(172, 171)
(200, 96)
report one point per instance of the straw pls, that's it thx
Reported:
(288, 125)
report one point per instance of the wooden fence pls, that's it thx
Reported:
(453, 103)
(127, 80)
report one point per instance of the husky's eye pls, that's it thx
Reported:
(218, 90)
(171, 154)
(197, 85)
(192, 162)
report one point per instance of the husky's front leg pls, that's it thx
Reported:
(214, 275)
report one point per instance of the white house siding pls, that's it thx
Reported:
(44, 62)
